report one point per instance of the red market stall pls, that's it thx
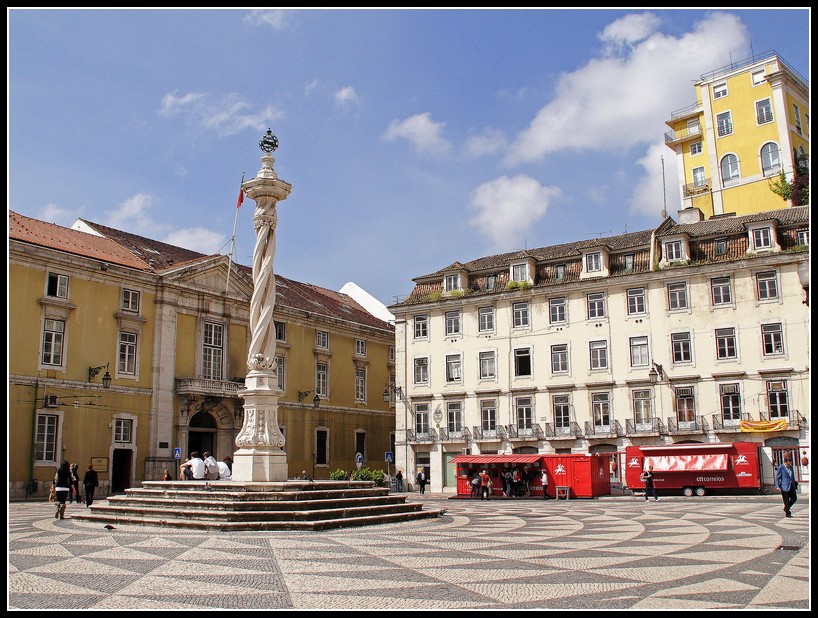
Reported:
(695, 468)
(577, 475)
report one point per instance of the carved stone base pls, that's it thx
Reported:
(257, 465)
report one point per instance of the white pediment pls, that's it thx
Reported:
(210, 275)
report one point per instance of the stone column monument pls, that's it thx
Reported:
(260, 458)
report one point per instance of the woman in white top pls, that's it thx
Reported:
(544, 482)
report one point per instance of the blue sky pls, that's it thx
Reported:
(412, 138)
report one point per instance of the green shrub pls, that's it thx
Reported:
(338, 475)
(366, 474)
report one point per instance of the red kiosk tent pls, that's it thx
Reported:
(694, 468)
(584, 476)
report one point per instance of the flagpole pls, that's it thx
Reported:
(233, 239)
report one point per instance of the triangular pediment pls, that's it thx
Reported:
(210, 274)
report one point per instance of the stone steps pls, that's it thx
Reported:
(227, 505)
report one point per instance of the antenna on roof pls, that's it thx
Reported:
(664, 190)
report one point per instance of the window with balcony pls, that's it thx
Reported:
(601, 405)
(724, 124)
(777, 399)
(422, 418)
(641, 407)
(730, 398)
(772, 337)
(212, 350)
(525, 413)
(454, 417)
(767, 285)
(488, 417)
(421, 323)
(726, 344)
(764, 111)
(685, 405)
(562, 412)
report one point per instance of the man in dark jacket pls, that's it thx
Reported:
(91, 482)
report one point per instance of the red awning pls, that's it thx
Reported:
(688, 463)
(487, 459)
(688, 447)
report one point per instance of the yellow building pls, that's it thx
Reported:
(748, 121)
(168, 331)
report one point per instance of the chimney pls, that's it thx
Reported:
(690, 215)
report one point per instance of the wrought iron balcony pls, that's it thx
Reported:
(689, 133)
(697, 426)
(699, 187)
(534, 432)
(651, 427)
(794, 419)
(207, 387)
(730, 425)
(571, 431)
(498, 433)
(421, 436)
(612, 430)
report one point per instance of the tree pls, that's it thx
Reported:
(796, 191)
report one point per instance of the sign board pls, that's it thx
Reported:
(359, 460)
(177, 453)
(389, 458)
(100, 464)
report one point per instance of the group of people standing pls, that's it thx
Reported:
(66, 487)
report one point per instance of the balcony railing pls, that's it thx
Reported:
(534, 432)
(720, 424)
(686, 427)
(794, 418)
(650, 427)
(567, 432)
(498, 433)
(692, 189)
(421, 436)
(204, 386)
(683, 134)
(612, 430)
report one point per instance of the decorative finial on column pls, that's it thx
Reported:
(269, 142)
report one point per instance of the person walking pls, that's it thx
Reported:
(62, 487)
(399, 481)
(647, 477)
(475, 486)
(90, 481)
(75, 484)
(785, 481)
(422, 481)
(544, 483)
(485, 480)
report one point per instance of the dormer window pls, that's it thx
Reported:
(451, 282)
(673, 251)
(763, 237)
(559, 272)
(519, 272)
(593, 262)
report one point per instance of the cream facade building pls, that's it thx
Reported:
(749, 120)
(696, 331)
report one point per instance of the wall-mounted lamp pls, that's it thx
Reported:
(94, 371)
(390, 390)
(302, 395)
(656, 374)
(803, 278)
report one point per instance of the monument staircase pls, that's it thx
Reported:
(230, 505)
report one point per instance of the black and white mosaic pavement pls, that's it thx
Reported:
(610, 553)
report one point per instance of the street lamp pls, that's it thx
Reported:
(656, 374)
(389, 390)
(315, 400)
(94, 371)
(803, 278)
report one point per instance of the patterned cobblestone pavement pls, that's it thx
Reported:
(609, 553)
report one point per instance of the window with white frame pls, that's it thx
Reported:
(601, 405)
(764, 111)
(593, 262)
(525, 413)
(726, 344)
(777, 399)
(130, 300)
(730, 399)
(47, 440)
(758, 77)
(767, 285)
(682, 347)
(557, 310)
(599, 354)
(127, 353)
(596, 305)
(729, 169)
(519, 272)
(720, 90)
(636, 301)
(721, 246)
(677, 296)
(639, 352)
(322, 339)
(724, 124)
(485, 319)
(422, 418)
(53, 339)
(522, 362)
(488, 416)
(627, 262)
(695, 148)
(491, 281)
(762, 238)
(57, 285)
(559, 358)
(422, 370)
(685, 404)
(281, 370)
(421, 326)
(488, 365)
(360, 385)
(453, 367)
(212, 350)
(674, 250)
(454, 417)
(123, 430)
(721, 291)
(281, 331)
(772, 336)
(520, 312)
(360, 347)
(559, 272)
(699, 177)
(452, 323)
(642, 407)
(451, 282)
(562, 411)
(803, 238)
(322, 379)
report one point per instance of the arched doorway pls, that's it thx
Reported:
(202, 434)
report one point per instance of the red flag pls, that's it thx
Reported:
(241, 198)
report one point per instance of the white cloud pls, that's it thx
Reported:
(508, 207)
(490, 141)
(346, 97)
(134, 215)
(197, 239)
(422, 132)
(226, 115)
(658, 189)
(624, 98)
(56, 214)
(267, 17)
(311, 86)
